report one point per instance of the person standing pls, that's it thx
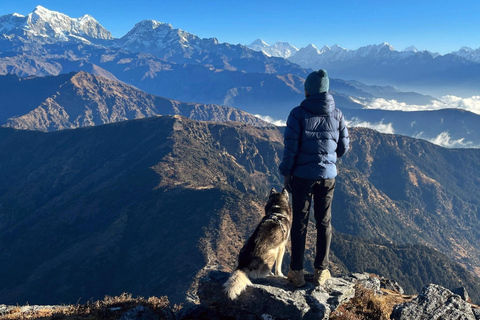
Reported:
(315, 136)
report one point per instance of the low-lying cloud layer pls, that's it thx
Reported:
(380, 126)
(444, 140)
(269, 119)
(471, 104)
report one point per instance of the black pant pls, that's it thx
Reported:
(302, 192)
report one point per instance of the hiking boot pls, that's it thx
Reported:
(321, 276)
(296, 277)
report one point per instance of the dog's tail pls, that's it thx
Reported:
(237, 282)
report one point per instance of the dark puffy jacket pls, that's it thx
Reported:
(316, 134)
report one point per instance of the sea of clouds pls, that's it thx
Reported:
(471, 104)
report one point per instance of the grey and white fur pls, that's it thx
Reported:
(265, 247)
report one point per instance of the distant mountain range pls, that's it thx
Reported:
(166, 62)
(79, 99)
(154, 57)
(423, 71)
(146, 205)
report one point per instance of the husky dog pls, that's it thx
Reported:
(265, 246)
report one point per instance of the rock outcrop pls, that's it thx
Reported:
(435, 302)
(272, 298)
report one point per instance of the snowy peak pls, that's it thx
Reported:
(153, 36)
(337, 48)
(262, 46)
(279, 49)
(375, 50)
(43, 21)
(144, 31)
(411, 49)
(307, 54)
(468, 53)
(11, 22)
(259, 43)
(310, 50)
(148, 25)
(49, 26)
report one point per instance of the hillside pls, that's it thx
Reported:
(143, 206)
(123, 207)
(413, 265)
(410, 191)
(81, 99)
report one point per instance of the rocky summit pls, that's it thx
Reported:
(436, 302)
(358, 296)
(273, 297)
(276, 298)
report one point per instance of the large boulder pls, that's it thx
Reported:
(270, 298)
(434, 302)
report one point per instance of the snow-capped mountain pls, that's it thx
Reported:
(279, 49)
(469, 54)
(311, 57)
(306, 54)
(411, 49)
(166, 42)
(46, 26)
(25, 38)
(411, 69)
(161, 38)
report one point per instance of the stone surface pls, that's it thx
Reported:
(271, 298)
(366, 280)
(434, 302)
(476, 312)
(360, 276)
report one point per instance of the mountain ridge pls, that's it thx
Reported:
(343, 53)
(381, 64)
(81, 99)
(161, 196)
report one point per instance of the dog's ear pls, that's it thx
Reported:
(273, 191)
(285, 193)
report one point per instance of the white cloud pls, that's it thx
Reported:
(379, 126)
(471, 104)
(444, 140)
(271, 120)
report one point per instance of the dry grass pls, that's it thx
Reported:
(365, 305)
(110, 308)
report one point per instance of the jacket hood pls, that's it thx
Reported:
(319, 103)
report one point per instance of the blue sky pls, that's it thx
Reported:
(441, 26)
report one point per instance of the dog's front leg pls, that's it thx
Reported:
(279, 260)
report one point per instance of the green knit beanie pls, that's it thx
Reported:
(317, 82)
